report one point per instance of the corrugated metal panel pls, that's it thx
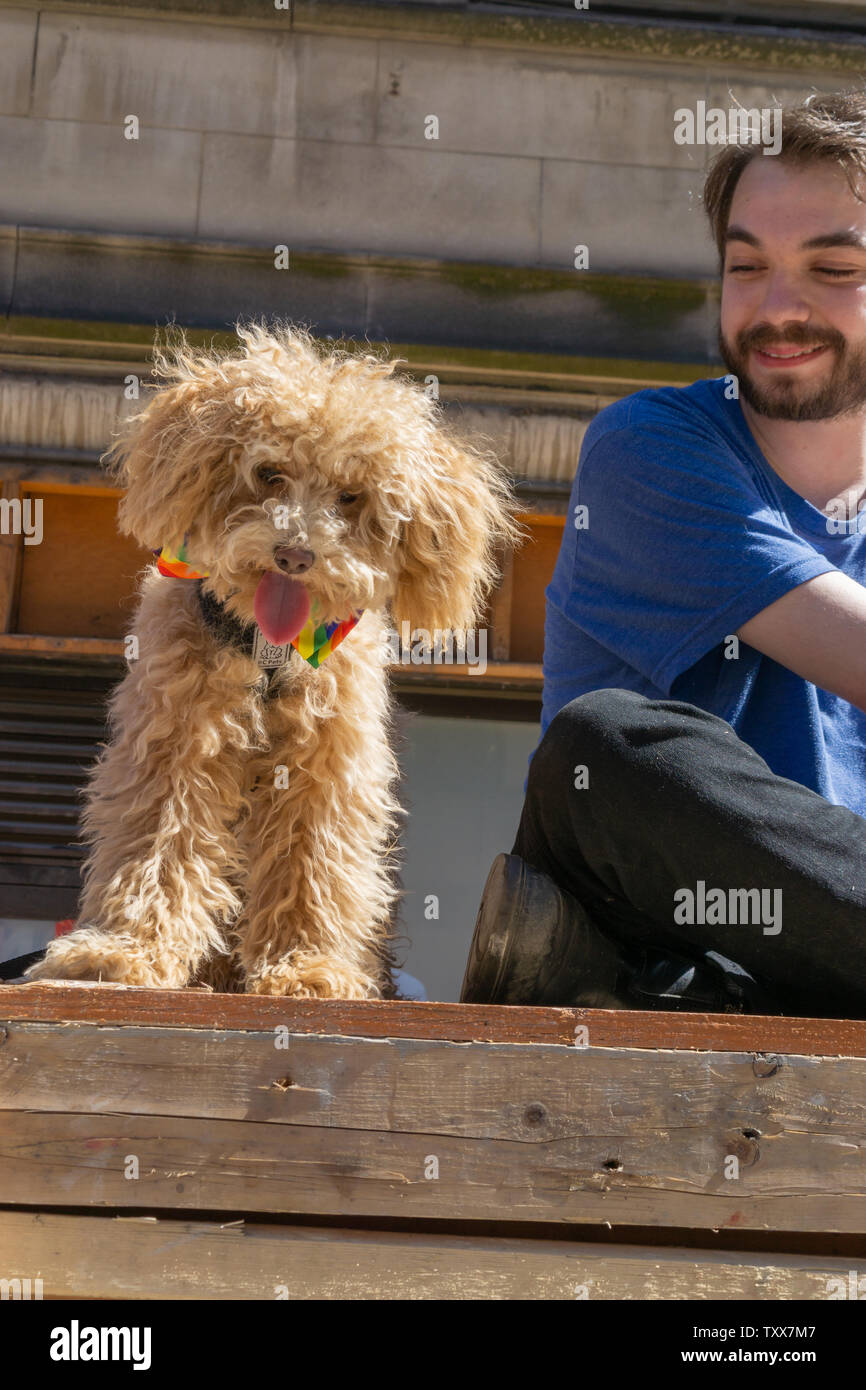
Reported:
(51, 725)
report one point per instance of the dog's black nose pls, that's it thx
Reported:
(291, 560)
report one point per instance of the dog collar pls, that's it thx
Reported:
(315, 642)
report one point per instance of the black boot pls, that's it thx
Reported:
(14, 969)
(536, 944)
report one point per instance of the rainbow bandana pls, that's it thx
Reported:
(177, 566)
(315, 642)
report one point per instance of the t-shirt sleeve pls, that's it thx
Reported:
(674, 548)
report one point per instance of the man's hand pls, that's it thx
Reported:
(817, 630)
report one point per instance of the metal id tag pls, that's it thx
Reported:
(268, 655)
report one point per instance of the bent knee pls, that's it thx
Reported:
(588, 731)
(597, 714)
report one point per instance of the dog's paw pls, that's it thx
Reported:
(100, 957)
(311, 977)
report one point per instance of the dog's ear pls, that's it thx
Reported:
(461, 514)
(167, 458)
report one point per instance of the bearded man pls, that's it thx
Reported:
(693, 834)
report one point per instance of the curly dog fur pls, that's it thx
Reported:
(205, 864)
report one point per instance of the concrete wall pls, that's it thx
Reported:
(463, 789)
(319, 140)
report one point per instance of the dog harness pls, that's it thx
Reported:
(315, 642)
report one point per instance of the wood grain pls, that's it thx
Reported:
(63, 597)
(90, 1256)
(36, 644)
(35, 475)
(534, 564)
(227, 1121)
(67, 1001)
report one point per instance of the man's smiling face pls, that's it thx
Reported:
(793, 320)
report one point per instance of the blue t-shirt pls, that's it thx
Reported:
(687, 533)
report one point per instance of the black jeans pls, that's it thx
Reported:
(675, 805)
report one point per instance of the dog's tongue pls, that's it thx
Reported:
(281, 606)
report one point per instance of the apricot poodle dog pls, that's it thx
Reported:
(242, 818)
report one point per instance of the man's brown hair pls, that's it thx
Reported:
(829, 127)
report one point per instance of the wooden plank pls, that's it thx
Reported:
(500, 611)
(72, 1001)
(108, 1257)
(395, 1126)
(65, 481)
(60, 596)
(24, 643)
(35, 476)
(535, 518)
(533, 568)
(11, 546)
(38, 476)
(526, 674)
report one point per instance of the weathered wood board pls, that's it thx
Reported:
(90, 1256)
(68, 1001)
(116, 1102)
(392, 1126)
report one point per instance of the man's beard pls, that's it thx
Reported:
(792, 399)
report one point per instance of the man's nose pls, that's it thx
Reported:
(783, 299)
(292, 560)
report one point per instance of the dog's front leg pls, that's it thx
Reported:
(161, 880)
(320, 888)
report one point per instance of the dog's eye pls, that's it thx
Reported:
(347, 498)
(268, 476)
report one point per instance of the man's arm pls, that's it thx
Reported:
(817, 630)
